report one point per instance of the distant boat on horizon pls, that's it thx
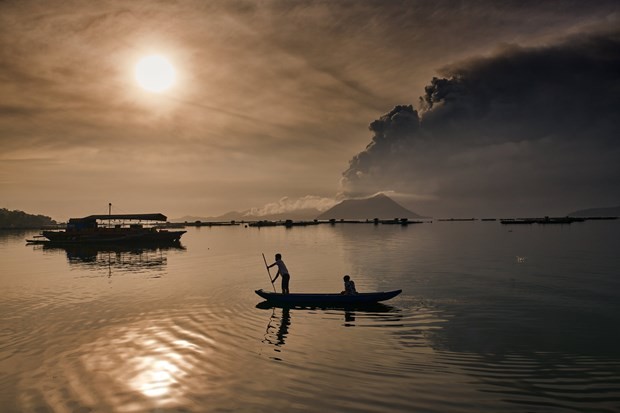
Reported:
(545, 220)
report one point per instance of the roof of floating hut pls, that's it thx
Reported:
(135, 217)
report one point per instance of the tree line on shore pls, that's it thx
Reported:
(19, 219)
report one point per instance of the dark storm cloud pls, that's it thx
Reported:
(570, 87)
(528, 129)
(263, 87)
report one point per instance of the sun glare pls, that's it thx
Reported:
(155, 73)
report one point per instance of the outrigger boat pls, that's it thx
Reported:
(112, 229)
(333, 299)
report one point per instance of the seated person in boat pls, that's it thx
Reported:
(349, 286)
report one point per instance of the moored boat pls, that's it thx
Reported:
(327, 298)
(113, 229)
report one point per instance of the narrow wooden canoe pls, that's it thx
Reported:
(326, 298)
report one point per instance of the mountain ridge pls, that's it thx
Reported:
(307, 214)
(379, 206)
(597, 212)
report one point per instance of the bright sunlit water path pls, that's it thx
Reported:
(477, 329)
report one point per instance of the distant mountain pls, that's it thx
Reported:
(20, 219)
(297, 215)
(597, 212)
(229, 216)
(379, 206)
(307, 214)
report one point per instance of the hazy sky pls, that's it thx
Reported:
(273, 100)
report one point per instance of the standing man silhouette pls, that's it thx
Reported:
(283, 272)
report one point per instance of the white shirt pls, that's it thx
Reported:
(281, 267)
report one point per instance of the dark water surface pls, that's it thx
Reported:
(181, 330)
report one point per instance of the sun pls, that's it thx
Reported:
(155, 73)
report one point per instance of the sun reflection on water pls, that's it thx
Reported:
(138, 366)
(157, 364)
(155, 377)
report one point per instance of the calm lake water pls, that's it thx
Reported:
(181, 330)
